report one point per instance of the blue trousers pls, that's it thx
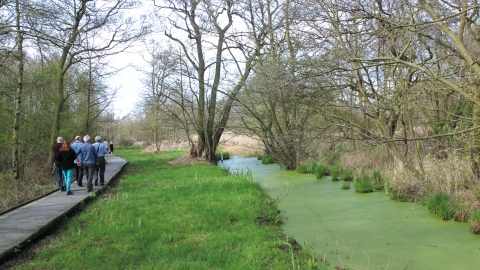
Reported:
(67, 175)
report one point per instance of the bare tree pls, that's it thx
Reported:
(159, 79)
(214, 49)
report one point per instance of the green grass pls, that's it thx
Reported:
(346, 185)
(266, 159)
(335, 172)
(475, 215)
(377, 180)
(307, 168)
(439, 203)
(347, 175)
(321, 171)
(164, 216)
(303, 168)
(363, 184)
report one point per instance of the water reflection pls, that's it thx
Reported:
(362, 230)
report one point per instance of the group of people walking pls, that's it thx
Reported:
(81, 158)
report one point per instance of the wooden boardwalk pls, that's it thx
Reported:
(26, 223)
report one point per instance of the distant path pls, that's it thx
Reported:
(28, 222)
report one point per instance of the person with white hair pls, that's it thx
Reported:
(100, 168)
(78, 168)
(105, 143)
(90, 159)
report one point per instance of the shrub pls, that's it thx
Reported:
(321, 171)
(439, 203)
(334, 172)
(346, 185)
(267, 159)
(363, 184)
(125, 142)
(347, 175)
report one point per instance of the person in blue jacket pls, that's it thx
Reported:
(100, 168)
(89, 160)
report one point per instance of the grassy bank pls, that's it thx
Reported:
(164, 216)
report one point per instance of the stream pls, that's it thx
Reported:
(362, 231)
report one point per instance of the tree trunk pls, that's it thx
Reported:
(59, 102)
(18, 95)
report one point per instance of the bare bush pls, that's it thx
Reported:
(36, 180)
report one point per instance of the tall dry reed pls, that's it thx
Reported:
(241, 145)
(451, 174)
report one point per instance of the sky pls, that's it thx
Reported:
(127, 81)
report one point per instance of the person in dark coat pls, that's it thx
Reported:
(111, 148)
(58, 170)
(66, 157)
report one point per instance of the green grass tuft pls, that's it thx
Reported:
(377, 180)
(363, 184)
(347, 175)
(475, 215)
(307, 168)
(266, 159)
(439, 203)
(346, 185)
(303, 169)
(335, 172)
(321, 171)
